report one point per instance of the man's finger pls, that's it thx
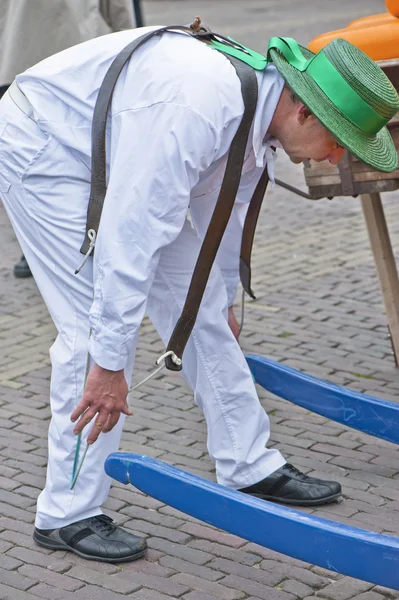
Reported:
(84, 420)
(112, 421)
(97, 428)
(126, 409)
(79, 410)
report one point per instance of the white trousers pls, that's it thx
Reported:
(45, 187)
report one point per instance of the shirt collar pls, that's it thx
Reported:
(270, 86)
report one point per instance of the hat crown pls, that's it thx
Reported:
(363, 76)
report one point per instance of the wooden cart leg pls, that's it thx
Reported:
(385, 263)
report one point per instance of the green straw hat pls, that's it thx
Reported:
(348, 92)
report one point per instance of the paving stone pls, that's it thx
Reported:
(15, 525)
(110, 582)
(8, 484)
(330, 575)
(50, 561)
(7, 471)
(295, 587)
(47, 592)
(287, 570)
(256, 589)
(150, 567)
(192, 569)
(145, 594)
(91, 592)
(213, 535)
(216, 589)
(372, 595)
(130, 497)
(245, 558)
(15, 513)
(16, 579)
(344, 589)
(141, 527)
(256, 574)
(4, 546)
(24, 457)
(16, 499)
(199, 596)
(167, 585)
(272, 555)
(47, 576)
(184, 552)
(379, 589)
(9, 563)
(152, 516)
(11, 593)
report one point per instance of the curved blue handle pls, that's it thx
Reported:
(365, 413)
(356, 552)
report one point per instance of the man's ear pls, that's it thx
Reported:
(303, 113)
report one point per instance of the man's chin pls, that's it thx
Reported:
(296, 159)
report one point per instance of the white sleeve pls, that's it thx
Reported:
(157, 155)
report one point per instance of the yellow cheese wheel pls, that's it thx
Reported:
(371, 21)
(380, 42)
(393, 7)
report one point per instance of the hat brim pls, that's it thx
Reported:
(377, 150)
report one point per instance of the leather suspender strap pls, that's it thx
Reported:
(220, 216)
(225, 202)
(98, 187)
(248, 232)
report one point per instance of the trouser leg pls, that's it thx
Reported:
(44, 201)
(3, 89)
(215, 367)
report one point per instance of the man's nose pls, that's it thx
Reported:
(335, 155)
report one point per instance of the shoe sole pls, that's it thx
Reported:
(22, 274)
(47, 542)
(290, 502)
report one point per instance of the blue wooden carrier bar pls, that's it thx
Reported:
(356, 552)
(348, 550)
(365, 413)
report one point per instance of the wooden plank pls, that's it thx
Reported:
(371, 176)
(385, 263)
(323, 180)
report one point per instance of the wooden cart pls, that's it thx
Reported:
(351, 177)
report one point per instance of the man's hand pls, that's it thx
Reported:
(105, 396)
(233, 323)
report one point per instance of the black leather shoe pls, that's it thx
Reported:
(289, 486)
(96, 538)
(21, 269)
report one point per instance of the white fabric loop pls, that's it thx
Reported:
(91, 234)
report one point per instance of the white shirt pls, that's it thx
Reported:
(175, 110)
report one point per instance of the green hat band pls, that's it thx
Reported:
(331, 82)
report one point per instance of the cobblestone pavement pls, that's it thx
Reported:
(319, 308)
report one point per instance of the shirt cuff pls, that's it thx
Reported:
(109, 350)
(231, 279)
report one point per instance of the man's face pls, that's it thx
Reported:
(304, 137)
